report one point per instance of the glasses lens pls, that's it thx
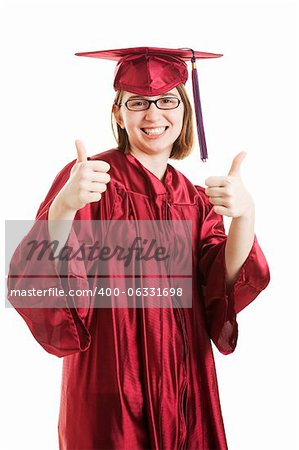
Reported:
(168, 102)
(137, 105)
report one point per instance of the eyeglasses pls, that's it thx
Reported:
(141, 104)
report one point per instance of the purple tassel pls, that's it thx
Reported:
(198, 112)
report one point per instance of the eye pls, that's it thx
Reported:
(137, 103)
(168, 101)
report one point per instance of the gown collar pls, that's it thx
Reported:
(153, 181)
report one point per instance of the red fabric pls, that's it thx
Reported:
(121, 53)
(149, 70)
(145, 378)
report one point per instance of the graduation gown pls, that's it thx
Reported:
(144, 378)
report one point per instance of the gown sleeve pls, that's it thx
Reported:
(221, 306)
(61, 330)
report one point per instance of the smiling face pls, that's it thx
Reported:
(153, 130)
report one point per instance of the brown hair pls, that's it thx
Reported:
(183, 145)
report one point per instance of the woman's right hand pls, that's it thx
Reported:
(87, 181)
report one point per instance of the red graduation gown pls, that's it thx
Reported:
(145, 378)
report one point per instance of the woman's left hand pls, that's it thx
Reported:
(228, 193)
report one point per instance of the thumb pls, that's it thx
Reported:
(236, 164)
(81, 152)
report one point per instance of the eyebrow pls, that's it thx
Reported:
(161, 95)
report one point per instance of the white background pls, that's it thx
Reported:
(250, 102)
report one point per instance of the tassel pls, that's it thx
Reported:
(198, 111)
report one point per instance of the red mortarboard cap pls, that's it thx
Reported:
(153, 71)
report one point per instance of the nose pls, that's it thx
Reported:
(152, 112)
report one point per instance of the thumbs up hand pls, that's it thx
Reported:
(87, 181)
(228, 193)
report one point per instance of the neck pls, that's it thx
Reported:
(156, 163)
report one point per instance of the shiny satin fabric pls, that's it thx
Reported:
(145, 378)
(149, 70)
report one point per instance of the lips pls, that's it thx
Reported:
(157, 131)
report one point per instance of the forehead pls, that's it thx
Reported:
(127, 95)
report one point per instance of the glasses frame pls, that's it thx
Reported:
(150, 102)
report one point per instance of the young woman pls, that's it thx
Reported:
(144, 377)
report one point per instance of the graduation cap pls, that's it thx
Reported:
(152, 71)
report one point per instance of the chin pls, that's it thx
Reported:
(152, 147)
(157, 147)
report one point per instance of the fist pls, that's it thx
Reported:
(87, 181)
(228, 193)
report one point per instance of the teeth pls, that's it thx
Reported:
(151, 131)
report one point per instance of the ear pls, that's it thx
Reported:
(117, 115)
